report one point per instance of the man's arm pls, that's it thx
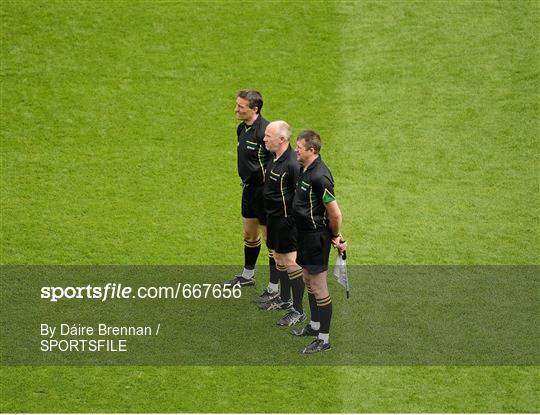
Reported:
(333, 213)
(324, 188)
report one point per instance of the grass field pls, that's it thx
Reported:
(118, 147)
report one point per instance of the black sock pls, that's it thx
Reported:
(313, 306)
(285, 286)
(251, 253)
(325, 313)
(274, 275)
(297, 285)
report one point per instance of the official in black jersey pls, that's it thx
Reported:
(279, 187)
(318, 221)
(252, 160)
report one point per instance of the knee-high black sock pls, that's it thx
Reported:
(251, 253)
(297, 285)
(313, 305)
(285, 286)
(325, 313)
(274, 275)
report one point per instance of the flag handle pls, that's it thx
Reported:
(344, 256)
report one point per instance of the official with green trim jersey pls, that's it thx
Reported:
(315, 187)
(318, 221)
(280, 183)
(252, 160)
(279, 187)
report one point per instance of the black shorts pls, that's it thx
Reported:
(253, 203)
(314, 250)
(281, 234)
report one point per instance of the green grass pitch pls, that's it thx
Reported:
(118, 147)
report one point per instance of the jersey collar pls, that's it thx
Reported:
(255, 123)
(284, 156)
(315, 163)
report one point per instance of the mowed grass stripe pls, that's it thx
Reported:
(440, 168)
(120, 148)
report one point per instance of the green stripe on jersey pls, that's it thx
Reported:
(262, 154)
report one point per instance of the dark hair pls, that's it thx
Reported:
(312, 140)
(254, 98)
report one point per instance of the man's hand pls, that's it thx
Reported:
(339, 243)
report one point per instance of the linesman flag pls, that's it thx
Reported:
(340, 271)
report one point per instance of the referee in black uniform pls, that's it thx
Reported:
(318, 220)
(279, 187)
(252, 160)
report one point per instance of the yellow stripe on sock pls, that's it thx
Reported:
(295, 274)
(254, 244)
(324, 301)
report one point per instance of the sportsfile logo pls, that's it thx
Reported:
(117, 291)
(109, 291)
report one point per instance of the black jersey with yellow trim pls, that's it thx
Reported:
(280, 183)
(252, 154)
(315, 187)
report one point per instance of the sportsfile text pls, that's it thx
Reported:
(118, 291)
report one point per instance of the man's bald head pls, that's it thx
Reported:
(281, 128)
(277, 136)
